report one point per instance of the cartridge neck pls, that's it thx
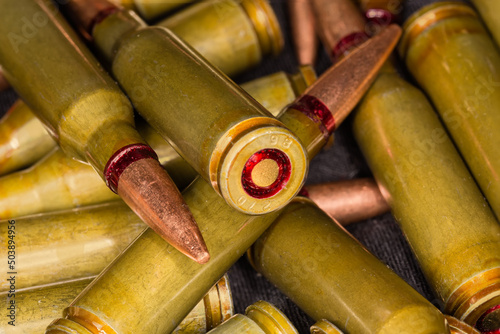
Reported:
(304, 78)
(428, 16)
(266, 25)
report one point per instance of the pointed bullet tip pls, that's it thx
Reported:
(202, 257)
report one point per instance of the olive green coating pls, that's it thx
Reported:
(57, 76)
(226, 125)
(261, 318)
(488, 9)
(157, 285)
(222, 31)
(457, 64)
(238, 323)
(329, 275)
(151, 9)
(23, 139)
(37, 307)
(277, 90)
(439, 207)
(70, 244)
(58, 182)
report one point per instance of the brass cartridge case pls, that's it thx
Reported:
(349, 201)
(435, 200)
(178, 283)
(340, 26)
(325, 327)
(252, 160)
(74, 184)
(69, 245)
(453, 58)
(488, 10)
(232, 35)
(24, 139)
(329, 275)
(154, 301)
(37, 307)
(261, 318)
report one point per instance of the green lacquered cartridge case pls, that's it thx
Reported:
(488, 10)
(232, 35)
(152, 9)
(37, 307)
(68, 245)
(325, 327)
(439, 207)
(24, 139)
(155, 301)
(453, 58)
(261, 318)
(250, 158)
(329, 275)
(178, 283)
(58, 182)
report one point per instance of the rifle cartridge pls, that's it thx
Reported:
(261, 318)
(232, 35)
(453, 58)
(90, 117)
(74, 184)
(331, 276)
(178, 282)
(303, 26)
(37, 306)
(440, 209)
(252, 160)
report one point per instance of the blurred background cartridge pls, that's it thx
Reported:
(440, 209)
(152, 9)
(58, 182)
(261, 318)
(381, 12)
(180, 283)
(4, 85)
(252, 160)
(488, 10)
(24, 139)
(452, 56)
(331, 276)
(303, 26)
(232, 35)
(89, 116)
(38, 306)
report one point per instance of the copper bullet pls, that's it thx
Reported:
(3, 82)
(157, 200)
(340, 26)
(349, 201)
(329, 101)
(302, 22)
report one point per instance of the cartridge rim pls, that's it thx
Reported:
(65, 326)
(91, 322)
(270, 318)
(266, 25)
(428, 16)
(325, 327)
(459, 327)
(238, 146)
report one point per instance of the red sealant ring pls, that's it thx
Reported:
(348, 43)
(122, 158)
(318, 112)
(285, 170)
